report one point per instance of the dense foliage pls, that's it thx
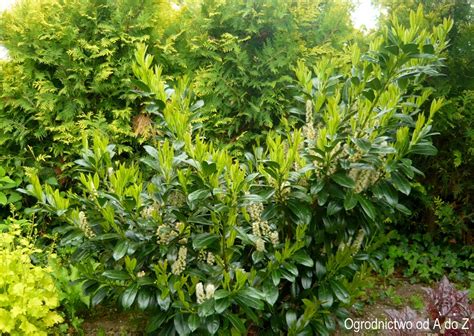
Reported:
(69, 73)
(228, 166)
(243, 52)
(275, 242)
(28, 296)
(444, 197)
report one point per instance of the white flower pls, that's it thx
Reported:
(358, 241)
(256, 229)
(210, 258)
(260, 245)
(141, 274)
(84, 225)
(274, 238)
(210, 289)
(200, 296)
(180, 264)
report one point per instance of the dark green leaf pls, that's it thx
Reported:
(276, 276)
(193, 322)
(302, 257)
(350, 201)
(339, 291)
(222, 304)
(401, 183)
(374, 84)
(198, 195)
(333, 208)
(410, 48)
(116, 275)
(343, 180)
(99, 295)
(180, 325)
(367, 206)
(369, 94)
(129, 295)
(325, 296)
(144, 298)
(120, 249)
(204, 240)
(156, 321)
(320, 269)
(428, 49)
(236, 322)
(271, 294)
(213, 324)
(424, 148)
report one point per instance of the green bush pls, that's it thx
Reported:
(28, 296)
(69, 73)
(275, 242)
(241, 54)
(444, 197)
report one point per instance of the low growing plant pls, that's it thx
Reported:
(28, 296)
(449, 312)
(421, 258)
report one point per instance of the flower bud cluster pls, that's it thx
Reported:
(204, 294)
(353, 245)
(150, 210)
(363, 178)
(165, 234)
(207, 257)
(84, 225)
(260, 228)
(176, 199)
(180, 263)
(309, 132)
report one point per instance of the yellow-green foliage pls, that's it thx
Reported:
(28, 295)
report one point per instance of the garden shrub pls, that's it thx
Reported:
(443, 198)
(241, 54)
(69, 73)
(275, 242)
(28, 296)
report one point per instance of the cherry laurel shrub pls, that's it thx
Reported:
(271, 243)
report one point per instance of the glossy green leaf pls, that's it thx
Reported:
(120, 250)
(350, 201)
(194, 321)
(222, 304)
(302, 257)
(325, 296)
(367, 206)
(340, 291)
(401, 183)
(343, 180)
(129, 295)
(116, 275)
(213, 324)
(236, 322)
(204, 240)
(181, 325)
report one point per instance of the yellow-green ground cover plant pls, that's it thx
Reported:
(28, 295)
(276, 242)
